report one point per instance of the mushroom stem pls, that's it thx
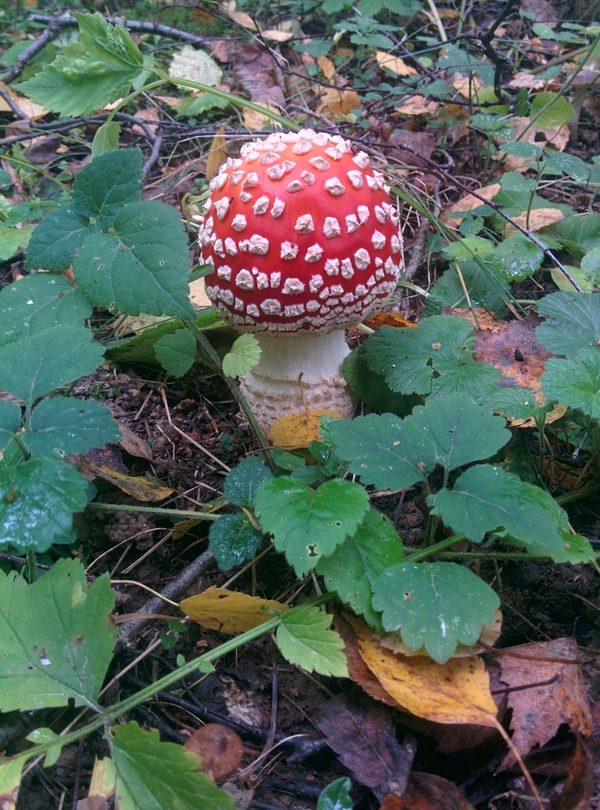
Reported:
(298, 374)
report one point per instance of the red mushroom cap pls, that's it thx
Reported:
(302, 236)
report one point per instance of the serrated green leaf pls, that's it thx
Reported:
(10, 421)
(306, 523)
(461, 431)
(372, 388)
(512, 403)
(106, 138)
(243, 356)
(516, 258)
(37, 364)
(434, 605)
(61, 426)
(176, 352)
(37, 500)
(233, 540)
(467, 248)
(408, 358)
(573, 322)
(37, 302)
(140, 267)
(304, 639)
(57, 239)
(580, 233)
(359, 560)
(551, 110)
(489, 499)
(155, 775)
(384, 450)
(108, 183)
(13, 239)
(91, 73)
(576, 382)
(484, 289)
(336, 796)
(244, 480)
(63, 649)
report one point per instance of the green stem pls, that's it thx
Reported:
(31, 566)
(191, 668)
(435, 548)
(155, 510)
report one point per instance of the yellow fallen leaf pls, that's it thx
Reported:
(243, 19)
(217, 154)
(276, 35)
(467, 85)
(393, 63)
(338, 103)
(535, 220)
(229, 611)
(142, 489)
(256, 120)
(417, 105)
(455, 692)
(298, 429)
(29, 108)
(326, 66)
(469, 202)
(198, 295)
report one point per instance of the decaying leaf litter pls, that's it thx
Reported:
(414, 753)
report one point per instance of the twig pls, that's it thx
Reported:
(55, 24)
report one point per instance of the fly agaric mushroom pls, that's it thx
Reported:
(304, 242)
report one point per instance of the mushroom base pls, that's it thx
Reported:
(298, 375)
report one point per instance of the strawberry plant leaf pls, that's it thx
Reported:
(576, 382)
(141, 266)
(90, 73)
(489, 499)
(154, 775)
(37, 500)
(176, 352)
(10, 422)
(105, 185)
(384, 450)
(243, 356)
(304, 639)
(306, 523)
(61, 426)
(461, 431)
(57, 239)
(37, 302)
(434, 605)
(63, 650)
(573, 322)
(360, 559)
(233, 540)
(37, 364)
(336, 796)
(580, 233)
(244, 480)
(516, 258)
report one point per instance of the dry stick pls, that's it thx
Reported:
(171, 592)
(36, 46)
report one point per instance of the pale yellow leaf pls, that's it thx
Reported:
(469, 202)
(256, 120)
(298, 429)
(196, 66)
(31, 110)
(535, 220)
(455, 692)
(276, 35)
(417, 105)
(393, 63)
(198, 295)
(467, 85)
(326, 67)
(243, 19)
(527, 80)
(142, 489)
(217, 154)
(338, 103)
(229, 611)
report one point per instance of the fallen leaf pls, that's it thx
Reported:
(545, 693)
(276, 35)
(29, 108)
(148, 116)
(198, 295)
(527, 80)
(243, 19)
(102, 786)
(142, 489)
(466, 84)
(229, 611)
(338, 103)
(580, 783)
(395, 65)
(217, 154)
(363, 735)
(454, 692)
(468, 203)
(299, 429)
(219, 749)
(417, 105)
(257, 121)
(388, 319)
(425, 791)
(134, 444)
(326, 66)
(196, 66)
(535, 220)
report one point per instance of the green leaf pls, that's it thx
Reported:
(61, 426)
(106, 138)
(37, 364)
(467, 248)
(56, 638)
(243, 356)
(461, 431)
(13, 239)
(176, 352)
(372, 388)
(140, 267)
(91, 73)
(336, 796)
(488, 499)
(57, 239)
(38, 302)
(155, 775)
(516, 258)
(485, 290)
(37, 500)
(10, 421)
(576, 382)
(384, 450)
(550, 110)
(244, 480)
(42, 736)
(108, 183)
(233, 540)
(435, 605)
(580, 233)
(304, 639)
(309, 523)
(573, 322)
(359, 560)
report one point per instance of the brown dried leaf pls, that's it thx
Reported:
(134, 444)
(326, 66)
(417, 105)
(218, 748)
(257, 121)
(363, 736)
(388, 319)
(468, 203)
(142, 489)
(579, 787)
(102, 787)
(527, 80)
(425, 791)
(546, 693)
(198, 295)
(243, 19)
